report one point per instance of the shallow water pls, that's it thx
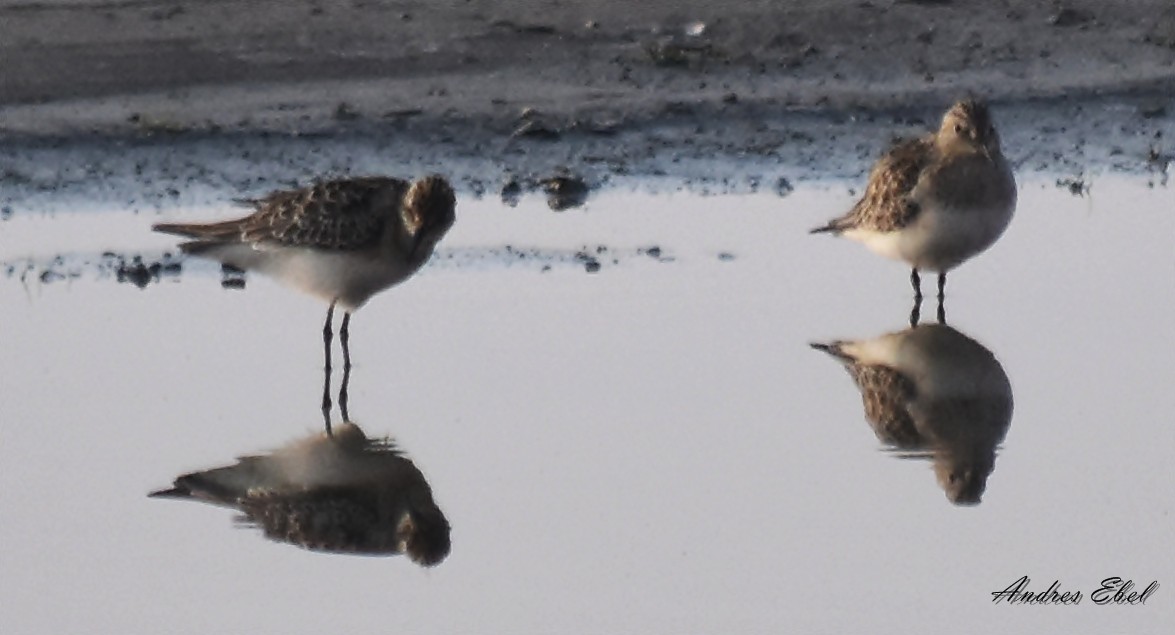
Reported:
(649, 447)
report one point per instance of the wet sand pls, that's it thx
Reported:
(492, 92)
(283, 64)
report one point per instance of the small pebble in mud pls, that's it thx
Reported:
(565, 192)
(783, 187)
(477, 187)
(345, 112)
(1076, 186)
(511, 192)
(536, 130)
(1153, 111)
(591, 266)
(135, 273)
(1069, 17)
(5, 212)
(725, 256)
(653, 252)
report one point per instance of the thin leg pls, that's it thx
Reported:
(345, 338)
(916, 312)
(942, 310)
(327, 334)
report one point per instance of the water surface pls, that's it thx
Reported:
(652, 446)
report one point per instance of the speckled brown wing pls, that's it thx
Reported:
(886, 204)
(345, 214)
(337, 519)
(886, 393)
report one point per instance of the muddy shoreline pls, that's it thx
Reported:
(183, 97)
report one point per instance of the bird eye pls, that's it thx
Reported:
(958, 128)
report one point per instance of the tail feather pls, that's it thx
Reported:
(222, 231)
(198, 487)
(839, 224)
(199, 247)
(175, 492)
(221, 486)
(832, 348)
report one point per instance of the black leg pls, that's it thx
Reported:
(327, 334)
(916, 312)
(942, 285)
(345, 338)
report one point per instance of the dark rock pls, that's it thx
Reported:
(565, 191)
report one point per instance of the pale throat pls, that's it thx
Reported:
(953, 145)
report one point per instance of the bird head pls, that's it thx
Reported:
(963, 480)
(429, 207)
(424, 537)
(968, 124)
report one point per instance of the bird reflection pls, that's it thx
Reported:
(931, 392)
(340, 493)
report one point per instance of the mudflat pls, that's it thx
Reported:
(92, 65)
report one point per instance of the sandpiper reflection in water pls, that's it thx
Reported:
(936, 201)
(343, 241)
(340, 493)
(932, 392)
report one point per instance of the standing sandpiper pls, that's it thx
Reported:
(938, 200)
(342, 240)
(344, 493)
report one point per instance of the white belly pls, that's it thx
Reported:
(348, 278)
(939, 239)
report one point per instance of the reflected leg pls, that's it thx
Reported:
(345, 339)
(916, 312)
(942, 310)
(327, 334)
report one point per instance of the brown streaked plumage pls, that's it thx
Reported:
(343, 241)
(938, 200)
(362, 235)
(931, 392)
(886, 205)
(344, 493)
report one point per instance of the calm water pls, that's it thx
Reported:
(650, 447)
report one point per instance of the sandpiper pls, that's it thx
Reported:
(938, 200)
(342, 493)
(343, 241)
(932, 392)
